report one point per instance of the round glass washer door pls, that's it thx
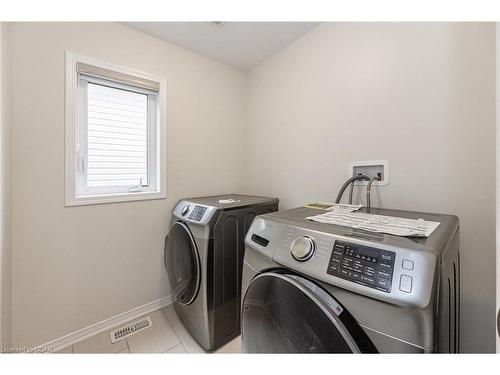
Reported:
(286, 313)
(182, 263)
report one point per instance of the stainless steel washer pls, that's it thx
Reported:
(204, 260)
(310, 287)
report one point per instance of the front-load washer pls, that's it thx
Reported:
(204, 259)
(311, 287)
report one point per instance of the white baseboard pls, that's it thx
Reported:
(107, 324)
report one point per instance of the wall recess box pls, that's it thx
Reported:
(370, 168)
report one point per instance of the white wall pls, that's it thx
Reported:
(76, 266)
(498, 175)
(419, 95)
(5, 248)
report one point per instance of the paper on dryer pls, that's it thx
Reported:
(378, 223)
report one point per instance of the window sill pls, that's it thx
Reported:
(114, 198)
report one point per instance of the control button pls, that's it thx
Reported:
(358, 268)
(385, 266)
(407, 264)
(387, 257)
(333, 268)
(302, 248)
(384, 274)
(405, 283)
(185, 210)
(347, 267)
(384, 282)
(355, 275)
(345, 272)
(368, 279)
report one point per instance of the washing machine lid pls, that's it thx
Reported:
(284, 312)
(182, 262)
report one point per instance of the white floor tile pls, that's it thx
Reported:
(188, 342)
(157, 339)
(179, 349)
(232, 347)
(100, 343)
(167, 335)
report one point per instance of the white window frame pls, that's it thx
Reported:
(76, 136)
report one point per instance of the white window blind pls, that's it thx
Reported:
(132, 80)
(117, 137)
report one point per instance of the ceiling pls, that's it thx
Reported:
(242, 45)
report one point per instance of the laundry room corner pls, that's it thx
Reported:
(368, 96)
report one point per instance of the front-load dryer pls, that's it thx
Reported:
(319, 288)
(204, 259)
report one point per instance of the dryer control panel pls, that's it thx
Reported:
(362, 264)
(394, 274)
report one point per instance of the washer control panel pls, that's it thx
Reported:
(362, 264)
(193, 212)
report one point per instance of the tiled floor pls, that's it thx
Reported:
(167, 335)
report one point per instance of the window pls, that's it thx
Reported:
(115, 133)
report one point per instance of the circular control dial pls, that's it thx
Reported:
(303, 248)
(185, 210)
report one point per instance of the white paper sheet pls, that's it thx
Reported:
(334, 206)
(337, 207)
(377, 223)
(230, 200)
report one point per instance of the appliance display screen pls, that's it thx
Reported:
(197, 213)
(363, 265)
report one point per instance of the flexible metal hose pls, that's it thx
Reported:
(351, 191)
(347, 183)
(368, 192)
